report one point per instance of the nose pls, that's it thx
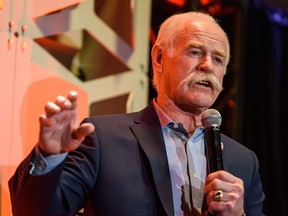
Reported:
(205, 64)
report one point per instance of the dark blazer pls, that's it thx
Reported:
(121, 169)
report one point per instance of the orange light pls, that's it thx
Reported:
(23, 27)
(24, 45)
(204, 2)
(207, 2)
(179, 3)
(10, 41)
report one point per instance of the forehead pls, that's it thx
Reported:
(202, 32)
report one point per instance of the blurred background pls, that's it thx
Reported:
(101, 48)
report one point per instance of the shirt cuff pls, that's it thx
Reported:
(41, 165)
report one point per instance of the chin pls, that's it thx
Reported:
(202, 102)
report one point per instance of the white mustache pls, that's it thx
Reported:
(206, 77)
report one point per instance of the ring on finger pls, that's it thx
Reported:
(218, 195)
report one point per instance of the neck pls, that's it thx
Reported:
(190, 120)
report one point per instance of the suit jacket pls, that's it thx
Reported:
(121, 169)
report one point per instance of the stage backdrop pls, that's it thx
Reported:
(99, 48)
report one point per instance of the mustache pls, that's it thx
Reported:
(207, 78)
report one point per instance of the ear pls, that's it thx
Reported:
(157, 58)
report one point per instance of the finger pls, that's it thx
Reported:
(218, 184)
(72, 96)
(51, 109)
(82, 131)
(63, 102)
(221, 175)
(214, 196)
(44, 121)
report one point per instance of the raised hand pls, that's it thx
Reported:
(59, 131)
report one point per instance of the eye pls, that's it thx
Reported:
(195, 52)
(218, 60)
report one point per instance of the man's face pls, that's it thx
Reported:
(192, 77)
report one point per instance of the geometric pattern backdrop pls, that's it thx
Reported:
(99, 48)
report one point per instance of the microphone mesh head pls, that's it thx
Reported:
(211, 117)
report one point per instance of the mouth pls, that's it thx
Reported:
(205, 83)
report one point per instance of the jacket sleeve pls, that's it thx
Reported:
(51, 193)
(254, 195)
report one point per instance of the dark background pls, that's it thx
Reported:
(255, 97)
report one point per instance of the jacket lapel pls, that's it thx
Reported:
(148, 132)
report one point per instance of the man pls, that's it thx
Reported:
(139, 163)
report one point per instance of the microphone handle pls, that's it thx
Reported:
(213, 148)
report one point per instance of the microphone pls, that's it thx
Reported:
(211, 120)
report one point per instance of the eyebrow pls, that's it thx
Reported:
(199, 46)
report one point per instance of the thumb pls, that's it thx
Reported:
(82, 131)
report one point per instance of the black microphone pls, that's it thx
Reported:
(211, 120)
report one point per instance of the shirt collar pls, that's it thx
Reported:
(165, 120)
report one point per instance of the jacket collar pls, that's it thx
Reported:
(149, 135)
